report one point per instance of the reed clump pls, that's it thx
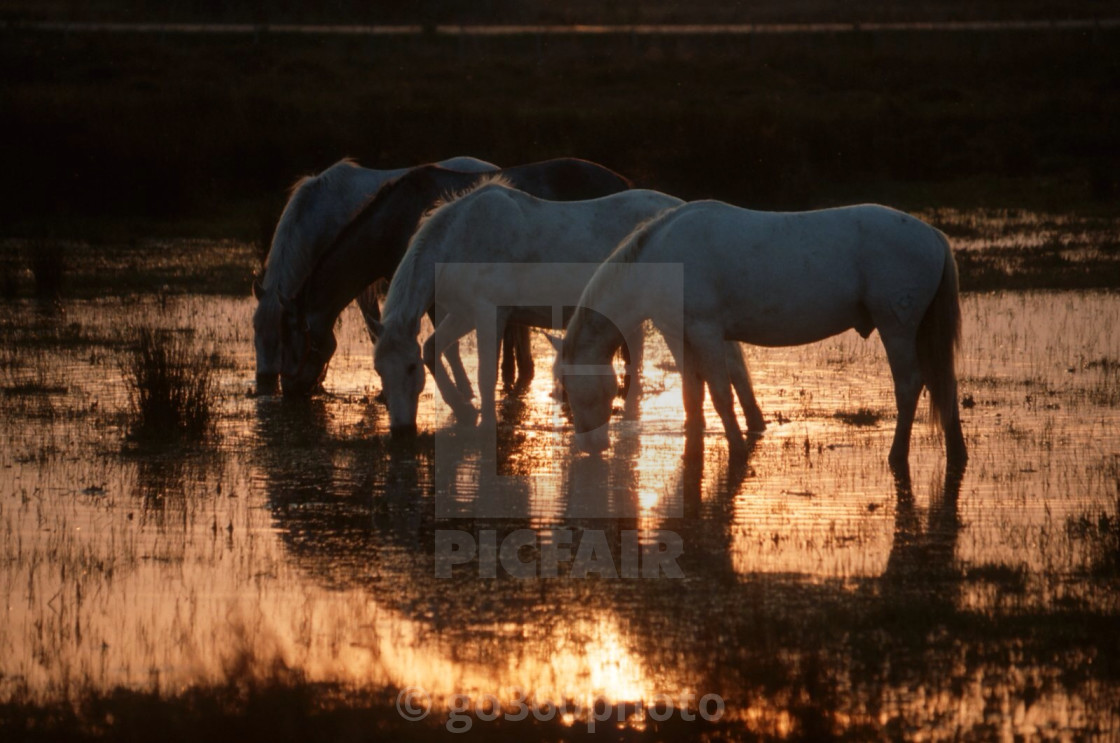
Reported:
(171, 387)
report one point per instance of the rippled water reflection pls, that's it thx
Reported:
(813, 583)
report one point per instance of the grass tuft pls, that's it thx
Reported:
(860, 417)
(1101, 533)
(171, 387)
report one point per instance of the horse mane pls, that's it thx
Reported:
(290, 258)
(493, 178)
(429, 231)
(629, 250)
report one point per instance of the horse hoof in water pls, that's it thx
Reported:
(403, 431)
(466, 415)
(267, 384)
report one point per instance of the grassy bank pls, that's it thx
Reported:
(143, 135)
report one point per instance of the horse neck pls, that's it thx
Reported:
(413, 288)
(598, 338)
(313, 217)
(619, 303)
(371, 246)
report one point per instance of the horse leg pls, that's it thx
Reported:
(517, 356)
(458, 371)
(488, 347)
(692, 390)
(454, 360)
(633, 357)
(902, 355)
(711, 353)
(509, 358)
(526, 367)
(741, 381)
(369, 304)
(450, 330)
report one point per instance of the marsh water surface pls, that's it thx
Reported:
(816, 591)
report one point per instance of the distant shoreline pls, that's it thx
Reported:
(746, 29)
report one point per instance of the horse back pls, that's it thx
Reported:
(566, 179)
(794, 277)
(877, 242)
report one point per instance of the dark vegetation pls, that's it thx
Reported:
(553, 12)
(858, 417)
(171, 388)
(123, 135)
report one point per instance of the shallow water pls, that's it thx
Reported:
(812, 583)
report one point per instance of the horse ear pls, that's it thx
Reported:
(378, 328)
(556, 341)
(258, 288)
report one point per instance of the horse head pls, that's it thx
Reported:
(306, 350)
(397, 359)
(590, 396)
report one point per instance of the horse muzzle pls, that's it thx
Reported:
(593, 442)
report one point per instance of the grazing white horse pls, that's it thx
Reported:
(318, 207)
(376, 239)
(514, 242)
(776, 279)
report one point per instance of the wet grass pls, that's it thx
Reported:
(124, 268)
(171, 388)
(1101, 535)
(1016, 250)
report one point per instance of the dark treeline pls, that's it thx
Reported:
(211, 130)
(546, 11)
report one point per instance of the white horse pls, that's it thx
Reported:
(775, 279)
(376, 239)
(318, 207)
(514, 242)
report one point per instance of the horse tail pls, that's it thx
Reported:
(939, 335)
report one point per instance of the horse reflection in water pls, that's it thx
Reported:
(745, 635)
